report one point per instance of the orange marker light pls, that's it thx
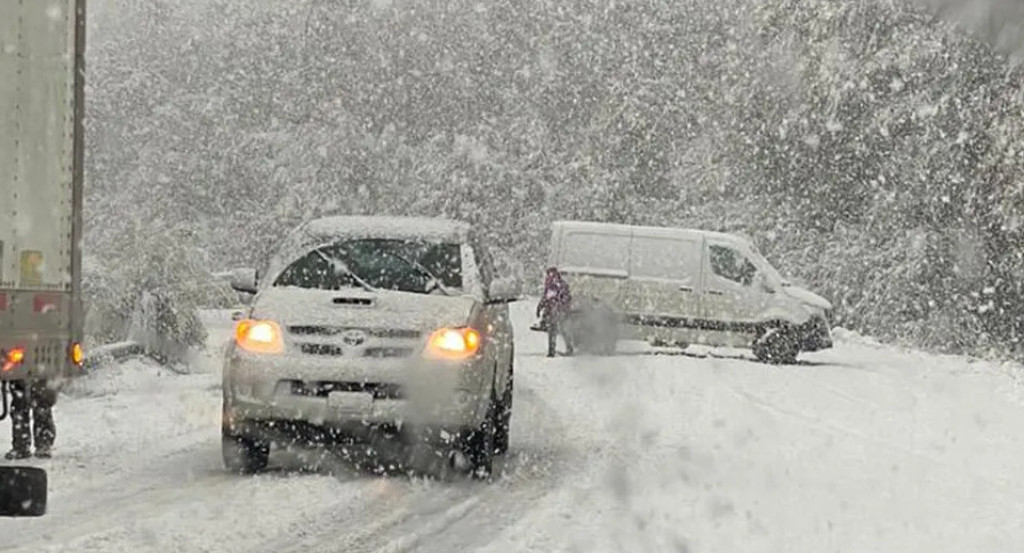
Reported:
(472, 339)
(453, 343)
(77, 355)
(14, 358)
(16, 355)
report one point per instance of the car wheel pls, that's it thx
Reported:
(502, 426)
(480, 443)
(777, 346)
(243, 455)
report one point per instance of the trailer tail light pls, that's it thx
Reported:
(13, 358)
(46, 303)
(77, 355)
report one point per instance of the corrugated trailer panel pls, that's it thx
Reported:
(37, 100)
(41, 84)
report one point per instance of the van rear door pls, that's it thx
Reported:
(664, 288)
(594, 259)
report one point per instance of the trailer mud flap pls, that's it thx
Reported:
(4, 406)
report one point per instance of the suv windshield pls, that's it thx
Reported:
(401, 265)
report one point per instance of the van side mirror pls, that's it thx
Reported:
(22, 492)
(504, 290)
(243, 280)
(763, 284)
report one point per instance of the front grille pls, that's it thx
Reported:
(353, 301)
(384, 353)
(380, 390)
(394, 333)
(386, 333)
(321, 349)
(313, 330)
(341, 351)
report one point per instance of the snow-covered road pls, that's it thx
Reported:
(862, 448)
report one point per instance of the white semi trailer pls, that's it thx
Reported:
(42, 44)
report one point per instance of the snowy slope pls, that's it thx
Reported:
(863, 448)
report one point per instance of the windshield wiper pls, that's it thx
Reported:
(424, 271)
(339, 266)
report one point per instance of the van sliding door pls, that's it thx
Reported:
(663, 291)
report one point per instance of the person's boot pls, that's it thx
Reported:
(18, 453)
(43, 452)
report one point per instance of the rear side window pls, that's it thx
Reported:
(588, 250)
(665, 258)
(731, 265)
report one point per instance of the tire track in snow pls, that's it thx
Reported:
(435, 516)
(111, 515)
(99, 509)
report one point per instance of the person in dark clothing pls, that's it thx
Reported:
(554, 308)
(32, 418)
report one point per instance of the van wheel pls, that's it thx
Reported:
(777, 346)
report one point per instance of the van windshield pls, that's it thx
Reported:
(765, 267)
(400, 265)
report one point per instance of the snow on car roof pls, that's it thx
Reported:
(402, 228)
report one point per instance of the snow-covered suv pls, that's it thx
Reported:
(369, 325)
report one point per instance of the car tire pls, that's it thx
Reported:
(244, 455)
(777, 346)
(480, 443)
(502, 426)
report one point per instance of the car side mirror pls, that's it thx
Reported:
(22, 492)
(243, 280)
(504, 290)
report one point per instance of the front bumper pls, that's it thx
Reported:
(336, 392)
(815, 335)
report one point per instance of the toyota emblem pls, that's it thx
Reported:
(353, 337)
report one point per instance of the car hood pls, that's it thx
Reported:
(358, 308)
(808, 297)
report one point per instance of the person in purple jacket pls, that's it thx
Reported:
(554, 308)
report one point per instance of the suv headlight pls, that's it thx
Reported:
(259, 336)
(453, 343)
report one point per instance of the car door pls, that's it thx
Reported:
(497, 322)
(664, 283)
(732, 301)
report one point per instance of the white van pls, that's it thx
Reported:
(679, 286)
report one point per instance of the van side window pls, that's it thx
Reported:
(665, 258)
(591, 250)
(732, 265)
